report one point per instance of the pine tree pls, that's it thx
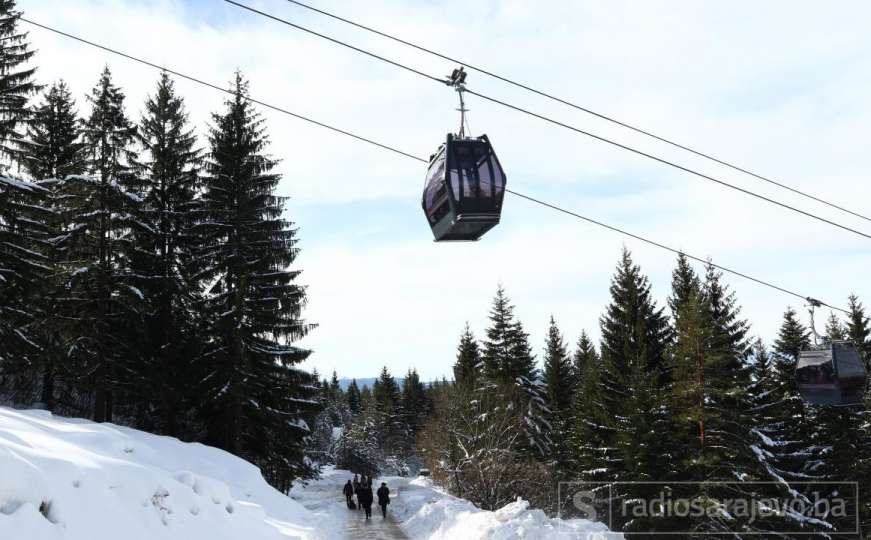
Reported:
(256, 396)
(16, 80)
(468, 366)
(169, 172)
(102, 308)
(560, 388)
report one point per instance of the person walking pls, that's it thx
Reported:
(348, 491)
(358, 491)
(383, 498)
(366, 499)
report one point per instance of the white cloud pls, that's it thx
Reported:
(777, 87)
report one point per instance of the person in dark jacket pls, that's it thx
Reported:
(383, 498)
(348, 490)
(358, 491)
(366, 499)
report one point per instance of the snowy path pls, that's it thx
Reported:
(324, 498)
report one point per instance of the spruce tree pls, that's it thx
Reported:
(507, 357)
(53, 147)
(16, 78)
(584, 358)
(256, 397)
(684, 283)
(726, 436)
(24, 269)
(394, 434)
(365, 397)
(509, 366)
(102, 310)
(415, 403)
(835, 329)
(859, 328)
(22, 231)
(591, 427)
(353, 396)
(792, 338)
(385, 391)
(789, 447)
(52, 150)
(635, 338)
(335, 388)
(468, 366)
(560, 388)
(166, 247)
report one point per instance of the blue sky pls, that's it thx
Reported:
(779, 87)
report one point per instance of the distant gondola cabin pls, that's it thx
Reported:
(832, 375)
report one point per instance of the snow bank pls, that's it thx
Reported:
(76, 480)
(423, 511)
(428, 512)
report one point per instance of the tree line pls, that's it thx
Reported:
(676, 393)
(146, 276)
(372, 431)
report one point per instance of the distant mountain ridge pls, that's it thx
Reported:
(344, 383)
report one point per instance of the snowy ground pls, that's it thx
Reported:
(420, 510)
(70, 479)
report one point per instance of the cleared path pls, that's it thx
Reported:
(324, 498)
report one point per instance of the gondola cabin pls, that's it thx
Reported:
(465, 185)
(832, 375)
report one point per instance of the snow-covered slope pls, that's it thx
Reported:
(69, 479)
(76, 480)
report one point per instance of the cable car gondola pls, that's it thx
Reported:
(831, 374)
(465, 184)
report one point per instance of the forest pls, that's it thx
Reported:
(678, 393)
(148, 278)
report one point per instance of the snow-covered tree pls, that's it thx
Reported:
(101, 309)
(256, 396)
(509, 367)
(168, 169)
(468, 365)
(559, 380)
(415, 404)
(16, 78)
(53, 147)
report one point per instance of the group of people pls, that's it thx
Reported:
(362, 488)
